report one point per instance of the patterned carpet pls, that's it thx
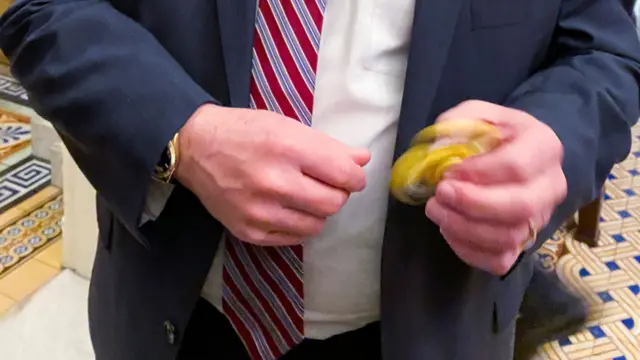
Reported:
(30, 209)
(608, 276)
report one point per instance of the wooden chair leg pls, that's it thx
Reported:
(588, 230)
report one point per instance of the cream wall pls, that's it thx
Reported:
(80, 229)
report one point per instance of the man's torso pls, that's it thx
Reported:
(431, 302)
(359, 85)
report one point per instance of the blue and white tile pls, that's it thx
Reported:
(12, 91)
(608, 275)
(23, 180)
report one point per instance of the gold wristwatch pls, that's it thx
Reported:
(168, 163)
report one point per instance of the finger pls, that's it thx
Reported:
(314, 197)
(483, 110)
(360, 156)
(282, 239)
(291, 189)
(508, 203)
(263, 237)
(284, 220)
(513, 161)
(495, 264)
(276, 239)
(334, 168)
(481, 236)
(528, 144)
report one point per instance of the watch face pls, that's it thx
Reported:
(165, 159)
(165, 167)
(162, 166)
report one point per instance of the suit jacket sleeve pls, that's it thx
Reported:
(114, 94)
(588, 94)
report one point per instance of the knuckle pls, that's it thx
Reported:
(315, 227)
(277, 187)
(256, 214)
(333, 204)
(502, 265)
(516, 169)
(271, 181)
(277, 148)
(464, 198)
(252, 235)
(279, 145)
(514, 239)
(305, 224)
(528, 207)
(344, 172)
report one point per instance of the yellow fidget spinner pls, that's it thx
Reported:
(433, 151)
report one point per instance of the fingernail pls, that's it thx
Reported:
(428, 210)
(446, 192)
(433, 212)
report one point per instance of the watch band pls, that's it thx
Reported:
(168, 163)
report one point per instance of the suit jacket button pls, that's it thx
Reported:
(170, 332)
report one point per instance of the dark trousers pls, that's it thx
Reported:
(547, 297)
(209, 336)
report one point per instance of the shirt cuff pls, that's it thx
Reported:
(157, 197)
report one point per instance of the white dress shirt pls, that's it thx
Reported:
(359, 86)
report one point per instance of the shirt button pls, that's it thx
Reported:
(170, 332)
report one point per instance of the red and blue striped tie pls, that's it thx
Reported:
(263, 293)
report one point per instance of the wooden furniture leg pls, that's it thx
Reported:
(588, 230)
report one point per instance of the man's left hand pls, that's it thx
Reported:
(490, 206)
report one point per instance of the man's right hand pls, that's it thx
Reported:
(269, 179)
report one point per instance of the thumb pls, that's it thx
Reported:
(360, 156)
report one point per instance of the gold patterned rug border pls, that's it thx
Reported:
(20, 210)
(7, 116)
(7, 151)
(8, 271)
(32, 232)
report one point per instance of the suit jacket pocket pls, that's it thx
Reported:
(498, 13)
(509, 293)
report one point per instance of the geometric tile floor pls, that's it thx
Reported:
(37, 226)
(12, 91)
(607, 276)
(30, 207)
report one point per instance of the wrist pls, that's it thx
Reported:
(188, 138)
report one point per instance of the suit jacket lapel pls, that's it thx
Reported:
(407, 319)
(237, 22)
(433, 29)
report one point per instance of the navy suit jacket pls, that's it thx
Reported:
(118, 78)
